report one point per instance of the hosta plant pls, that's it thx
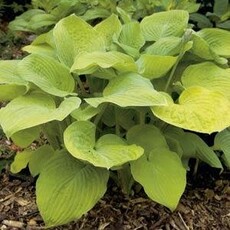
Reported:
(121, 100)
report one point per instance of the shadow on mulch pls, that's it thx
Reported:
(200, 208)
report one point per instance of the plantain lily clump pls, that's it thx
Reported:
(123, 100)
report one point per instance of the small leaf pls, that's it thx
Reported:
(9, 92)
(87, 63)
(109, 151)
(34, 109)
(217, 39)
(129, 90)
(48, 74)
(162, 175)
(66, 185)
(79, 37)
(20, 161)
(154, 66)
(209, 76)
(222, 141)
(198, 109)
(164, 24)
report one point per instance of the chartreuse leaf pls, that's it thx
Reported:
(11, 84)
(193, 146)
(217, 39)
(88, 63)
(198, 109)
(79, 37)
(68, 186)
(217, 79)
(109, 28)
(164, 24)
(20, 161)
(25, 137)
(34, 109)
(110, 150)
(160, 170)
(48, 74)
(222, 142)
(39, 158)
(154, 66)
(129, 90)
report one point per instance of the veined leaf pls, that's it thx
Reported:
(9, 92)
(208, 75)
(222, 141)
(48, 74)
(66, 185)
(154, 66)
(198, 109)
(129, 90)
(164, 24)
(79, 37)
(109, 151)
(217, 39)
(88, 63)
(32, 110)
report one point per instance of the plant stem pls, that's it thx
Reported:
(99, 115)
(82, 88)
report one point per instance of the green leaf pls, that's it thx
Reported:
(9, 92)
(34, 109)
(48, 74)
(220, 7)
(25, 137)
(79, 37)
(164, 24)
(222, 142)
(129, 90)
(162, 175)
(217, 39)
(109, 151)
(39, 159)
(209, 76)
(87, 63)
(155, 66)
(20, 161)
(198, 109)
(68, 186)
(109, 28)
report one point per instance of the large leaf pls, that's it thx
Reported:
(79, 37)
(88, 63)
(48, 74)
(129, 90)
(198, 109)
(155, 66)
(218, 40)
(110, 150)
(67, 188)
(160, 170)
(208, 75)
(222, 141)
(34, 109)
(9, 92)
(164, 24)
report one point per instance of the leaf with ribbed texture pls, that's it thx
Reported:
(208, 75)
(39, 158)
(68, 186)
(88, 63)
(25, 137)
(20, 161)
(217, 39)
(108, 28)
(109, 151)
(164, 24)
(9, 92)
(198, 109)
(48, 74)
(129, 90)
(34, 109)
(154, 66)
(78, 37)
(222, 141)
